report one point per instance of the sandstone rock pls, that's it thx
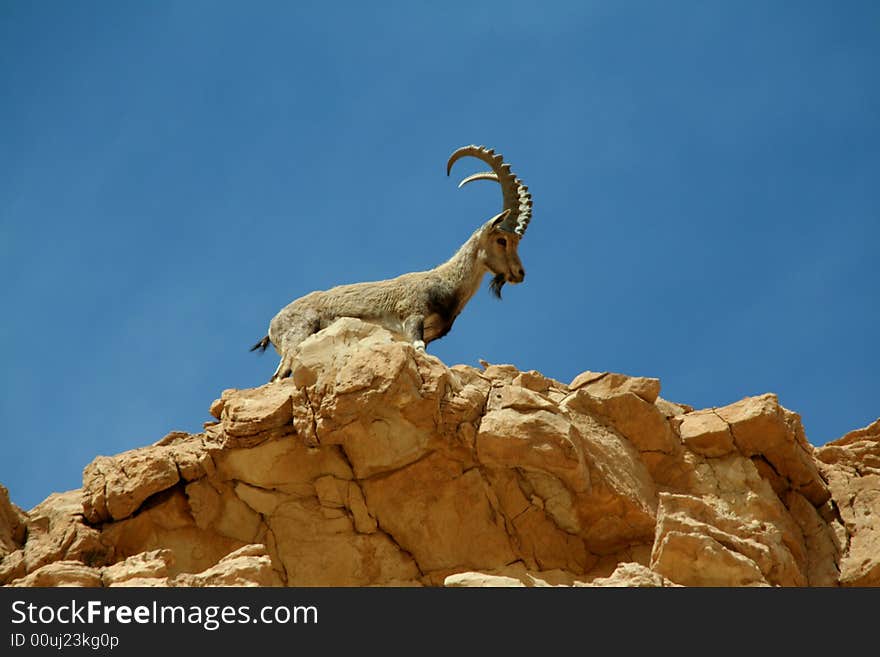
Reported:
(759, 425)
(851, 465)
(250, 565)
(500, 373)
(671, 409)
(592, 486)
(731, 539)
(376, 464)
(609, 384)
(139, 568)
(536, 537)
(114, 487)
(373, 395)
(12, 525)
(629, 574)
(468, 579)
(441, 514)
(250, 412)
(537, 382)
(640, 421)
(314, 550)
(516, 574)
(706, 433)
(626, 574)
(700, 560)
(56, 531)
(821, 543)
(61, 573)
(12, 566)
(857, 450)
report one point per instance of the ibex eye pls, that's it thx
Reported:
(502, 241)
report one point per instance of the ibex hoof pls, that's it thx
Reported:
(419, 345)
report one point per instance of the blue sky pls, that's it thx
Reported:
(704, 174)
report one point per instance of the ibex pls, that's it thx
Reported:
(420, 305)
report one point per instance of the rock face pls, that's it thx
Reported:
(376, 464)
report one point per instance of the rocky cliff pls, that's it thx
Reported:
(376, 464)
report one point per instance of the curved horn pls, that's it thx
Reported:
(483, 175)
(517, 199)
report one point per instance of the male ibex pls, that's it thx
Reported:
(421, 305)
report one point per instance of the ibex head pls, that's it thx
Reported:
(501, 234)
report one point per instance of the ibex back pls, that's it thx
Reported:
(420, 305)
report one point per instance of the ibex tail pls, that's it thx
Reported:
(261, 345)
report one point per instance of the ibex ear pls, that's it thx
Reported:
(499, 219)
